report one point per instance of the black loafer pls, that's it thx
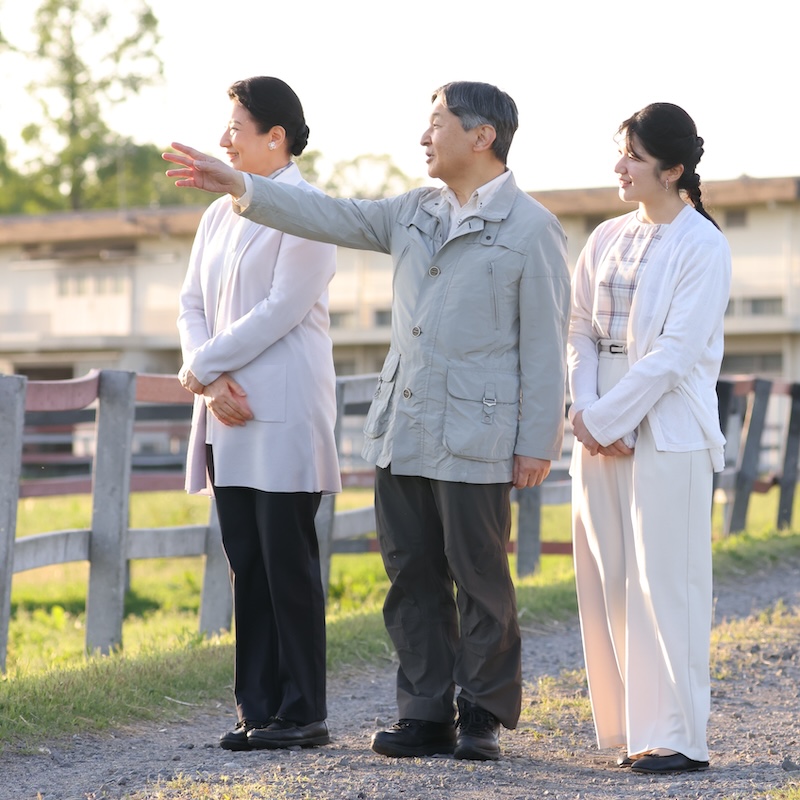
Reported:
(410, 738)
(477, 738)
(281, 733)
(236, 739)
(677, 762)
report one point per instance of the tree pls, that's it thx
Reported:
(75, 148)
(133, 176)
(14, 189)
(369, 177)
(308, 164)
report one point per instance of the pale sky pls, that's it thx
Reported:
(365, 70)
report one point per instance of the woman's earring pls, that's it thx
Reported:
(271, 146)
(666, 188)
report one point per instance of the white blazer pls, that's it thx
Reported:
(254, 304)
(675, 338)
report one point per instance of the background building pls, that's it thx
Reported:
(99, 289)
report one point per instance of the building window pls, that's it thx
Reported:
(73, 284)
(764, 306)
(343, 319)
(736, 218)
(108, 284)
(752, 364)
(383, 317)
(110, 250)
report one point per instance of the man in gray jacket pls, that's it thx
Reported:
(470, 401)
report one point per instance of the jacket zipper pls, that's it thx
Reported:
(495, 309)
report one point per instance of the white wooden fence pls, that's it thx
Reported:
(115, 397)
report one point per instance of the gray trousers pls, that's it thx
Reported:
(451, 609)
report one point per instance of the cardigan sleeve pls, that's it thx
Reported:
(693, 314)
(193, 326)
(302, 273)
(582, 340)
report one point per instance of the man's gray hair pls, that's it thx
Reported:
(482, 104)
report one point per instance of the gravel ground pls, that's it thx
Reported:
(754, 735)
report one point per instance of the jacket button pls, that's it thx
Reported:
(434, 271)
(416, 330)
(406, 393)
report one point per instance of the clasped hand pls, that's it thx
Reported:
(224, 398)
(582, 434)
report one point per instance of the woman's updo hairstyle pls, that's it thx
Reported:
(272, 102)
(669, 134)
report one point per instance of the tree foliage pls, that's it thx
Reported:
(369, 177)
(88, 57)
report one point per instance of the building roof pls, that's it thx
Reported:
(604, 201)
(183, 220)
(75, 226)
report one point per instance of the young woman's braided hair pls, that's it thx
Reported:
(669, 134)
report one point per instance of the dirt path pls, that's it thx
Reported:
(754, 735)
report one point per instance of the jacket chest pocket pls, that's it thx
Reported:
(481, 414)
(487, 292)
(379, 411)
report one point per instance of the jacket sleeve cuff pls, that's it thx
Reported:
(241, 204)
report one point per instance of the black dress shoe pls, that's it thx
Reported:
(677, 762)
(477, 737)
(236, 739)
(415, 737)
(282, 733)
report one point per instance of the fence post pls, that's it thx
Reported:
(749, 456)
(529, 530)
(724, 403)
(216, 602)
(790, 458)
(111, 478)
(12, 422)
(323, 521)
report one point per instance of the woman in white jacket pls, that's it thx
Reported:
(645, 346)
(257, 353)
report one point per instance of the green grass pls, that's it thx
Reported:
(51, 684)
(789, 792)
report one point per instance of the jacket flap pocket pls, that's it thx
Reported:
(483, 385)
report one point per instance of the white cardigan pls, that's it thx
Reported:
(254, 304)
(675, 338)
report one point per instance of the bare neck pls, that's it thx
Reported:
(661, 211)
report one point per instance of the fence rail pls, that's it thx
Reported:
(111, 401)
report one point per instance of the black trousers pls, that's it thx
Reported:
(451, 608)
(279, 607)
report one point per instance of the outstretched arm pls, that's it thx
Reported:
(201, 171)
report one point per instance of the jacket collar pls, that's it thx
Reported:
(428, 214)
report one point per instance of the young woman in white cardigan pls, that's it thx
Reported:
(254, 333)
(645, 347)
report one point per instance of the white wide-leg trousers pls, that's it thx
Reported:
(642, 547)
